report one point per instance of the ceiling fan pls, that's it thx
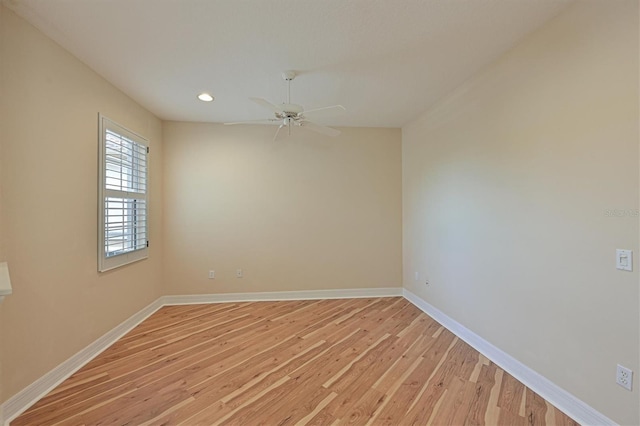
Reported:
(289, 115)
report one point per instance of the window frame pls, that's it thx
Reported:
(106, 263)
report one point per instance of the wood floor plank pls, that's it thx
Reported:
(219, 409)
(306, 419)
(426, 400)
(368, 361)
(406, 396)
(352, 386)
(535, 408)
(492, 413)
(510, 394)
(237, 329)
(236, 387)
(480, 400)
(364, 409)
(454, 409)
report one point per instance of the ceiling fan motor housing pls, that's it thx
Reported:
(288, 75)
(292, 109)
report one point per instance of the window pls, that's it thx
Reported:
(122, 204)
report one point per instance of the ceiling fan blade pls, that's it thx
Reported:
(277, 131)
(266, 104)
(267, 121)
(324, 130)
(332, 108)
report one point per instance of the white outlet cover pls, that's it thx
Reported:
(624, 260)
(212, 275)
(624, 377)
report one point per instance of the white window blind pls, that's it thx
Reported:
(123, 196)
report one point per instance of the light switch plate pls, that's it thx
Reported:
(624, 260)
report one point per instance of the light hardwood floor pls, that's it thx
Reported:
(345, 361)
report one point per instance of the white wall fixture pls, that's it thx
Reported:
(624, 377)
(624, 260)
(5, 281)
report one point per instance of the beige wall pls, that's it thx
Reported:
(305, 213)
(49, 129)
(506, 187)
(2, 232)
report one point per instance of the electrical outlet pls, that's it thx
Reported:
(212, 274)
(416, 276)
(238, 273)
(624, 377)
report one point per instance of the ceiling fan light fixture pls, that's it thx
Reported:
(205, 97)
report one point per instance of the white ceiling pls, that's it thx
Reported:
(386, 61)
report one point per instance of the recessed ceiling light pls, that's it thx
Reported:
(205, 97)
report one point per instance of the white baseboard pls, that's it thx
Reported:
(561, 399)
(281, 295)
(557, 396)
(24, 399)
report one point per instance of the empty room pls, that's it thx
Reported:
(298, 212)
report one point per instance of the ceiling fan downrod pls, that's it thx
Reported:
(288, 76)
